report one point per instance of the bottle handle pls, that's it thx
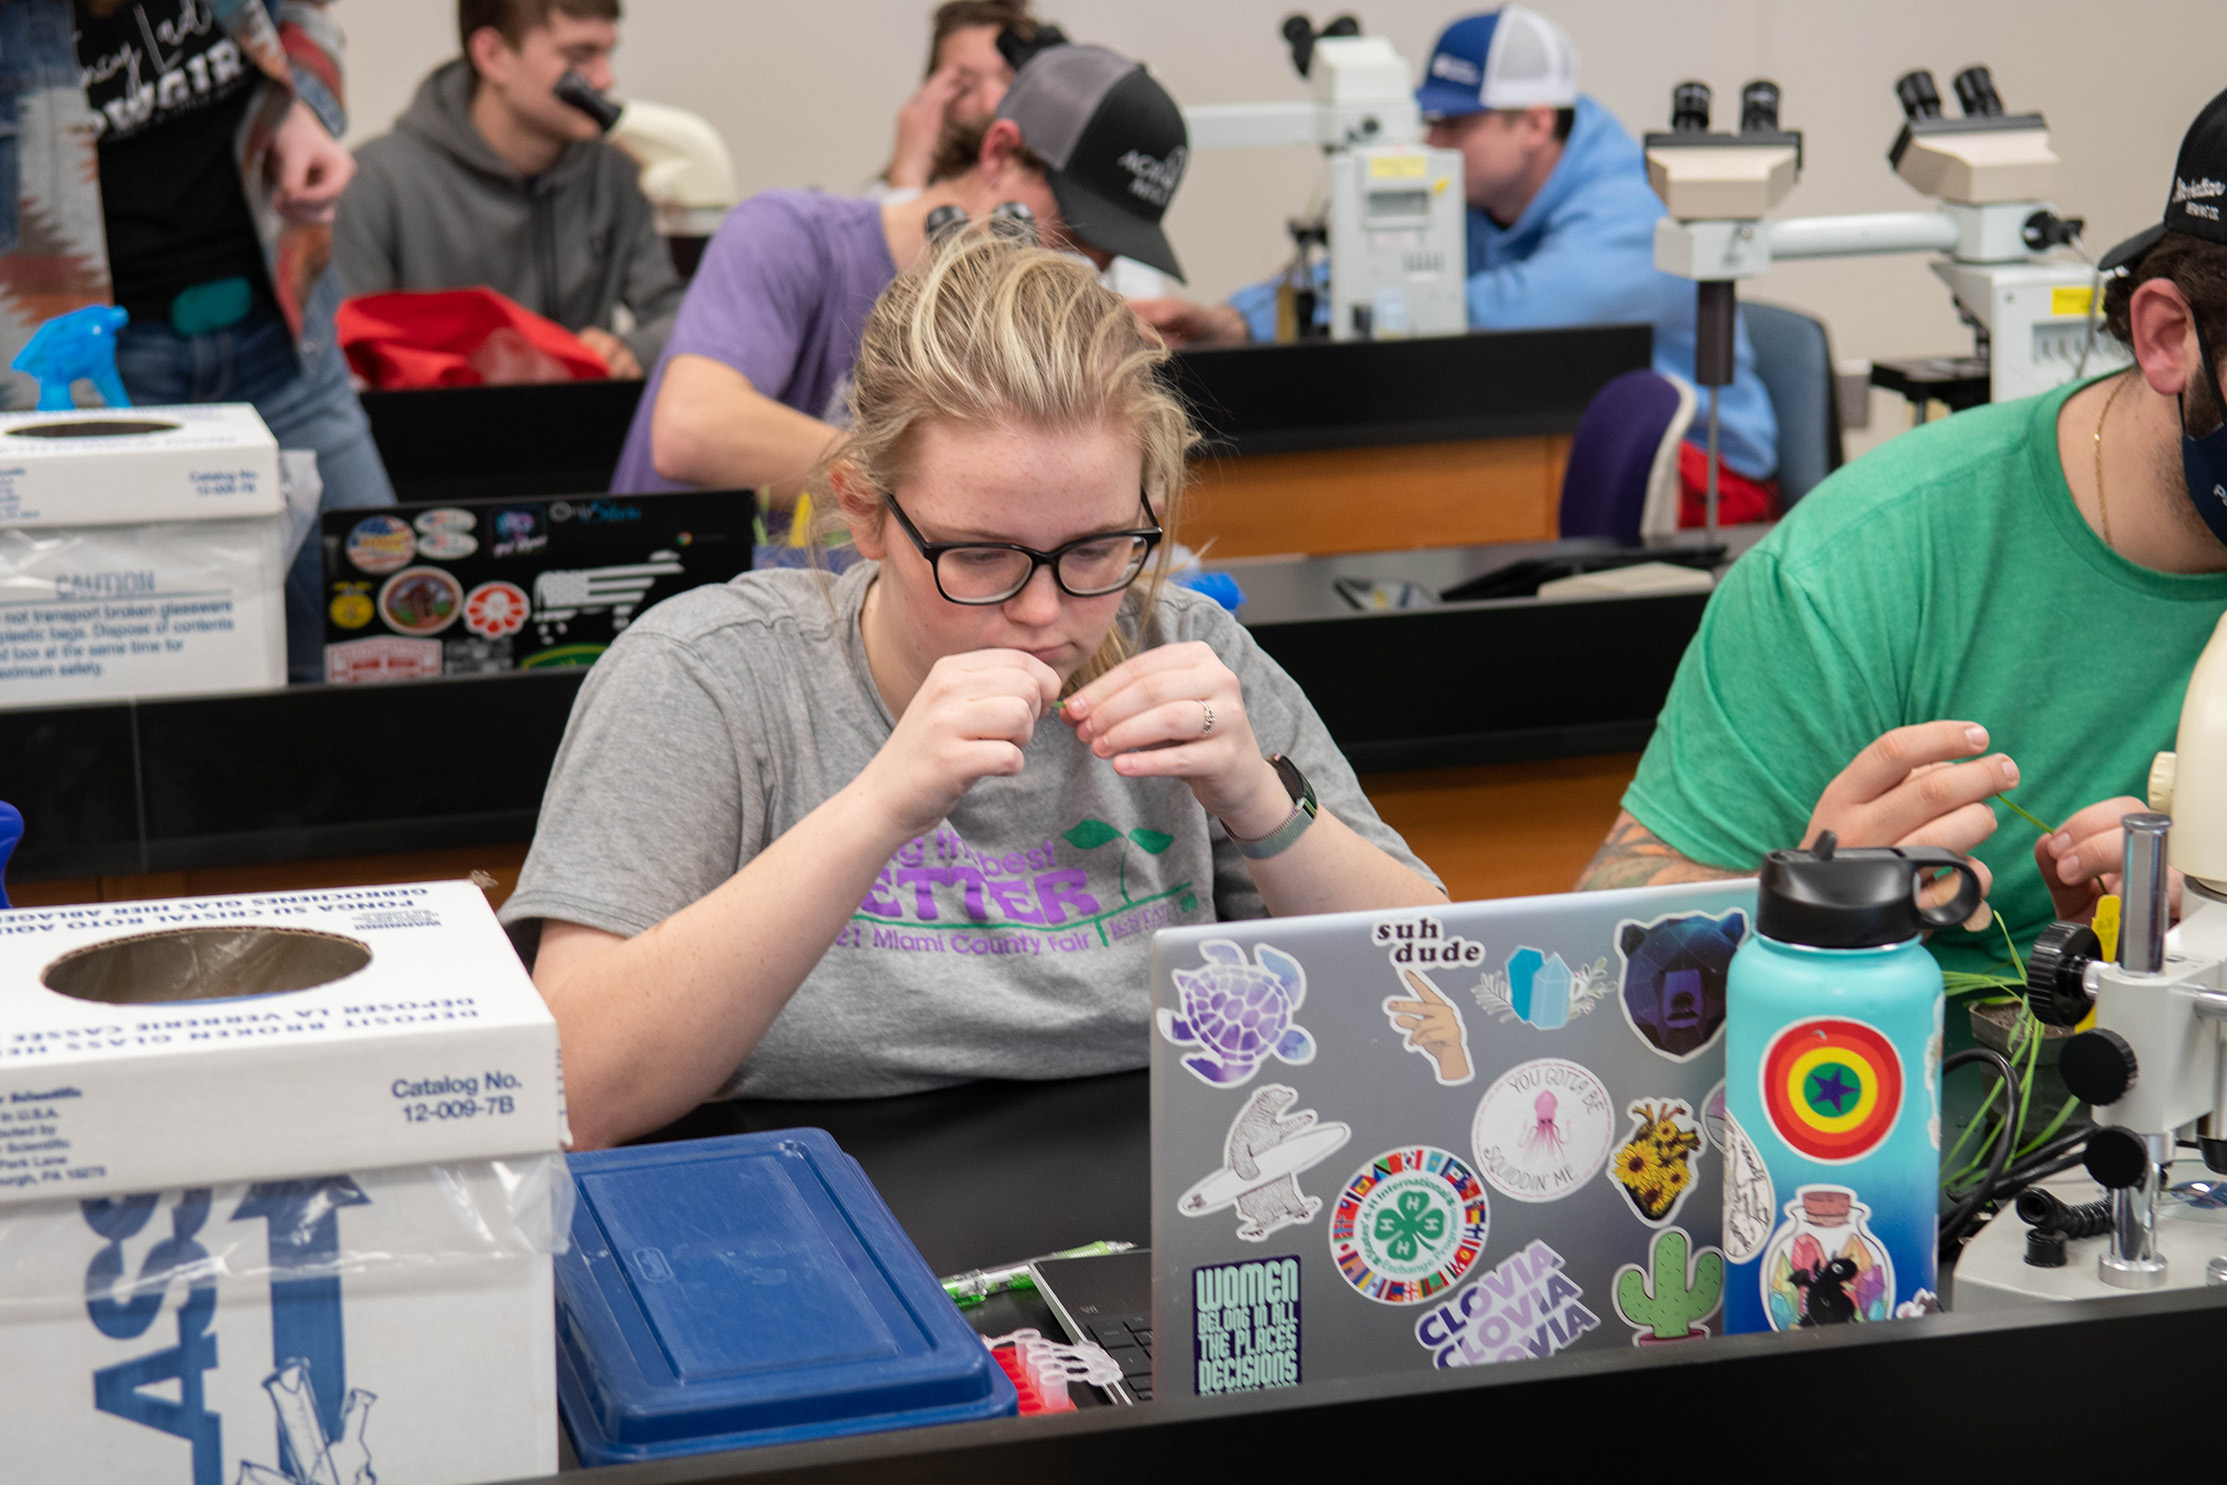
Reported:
(1969, 892)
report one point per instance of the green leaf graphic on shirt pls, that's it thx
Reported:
(1090, 835)
(1152, 840)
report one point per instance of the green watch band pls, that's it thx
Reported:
(1303, 809)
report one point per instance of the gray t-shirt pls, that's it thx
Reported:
(1012, 941)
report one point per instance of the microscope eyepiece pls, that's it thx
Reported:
(1689, 108)
(1920, 99)
(1976, 95)
(1759, 107)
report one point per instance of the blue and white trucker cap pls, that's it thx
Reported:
(1505, 58)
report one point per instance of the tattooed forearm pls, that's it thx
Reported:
(1633, 856)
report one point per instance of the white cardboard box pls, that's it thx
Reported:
(140, 563)
(188, 1291)
(106, 467)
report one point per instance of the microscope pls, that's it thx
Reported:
(2151, 1060)
(2032, 316)
(1397, 224)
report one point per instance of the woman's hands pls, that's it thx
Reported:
(1179, 712)
(969, 720)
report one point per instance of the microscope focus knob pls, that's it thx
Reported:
(2056, 973)
(2098, 1067)
(2117, 1158)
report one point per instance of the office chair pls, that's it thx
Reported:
(1794, 360)
(1622, 478)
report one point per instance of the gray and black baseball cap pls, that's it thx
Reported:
(2199, 196)
(1115, 143)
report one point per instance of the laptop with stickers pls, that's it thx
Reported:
(1387, 1142)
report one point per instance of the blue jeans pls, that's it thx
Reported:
(255, 361)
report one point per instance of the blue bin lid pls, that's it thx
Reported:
(750, 1290)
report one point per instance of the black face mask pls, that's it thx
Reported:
(2204, 460)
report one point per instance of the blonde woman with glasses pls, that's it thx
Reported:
(814, 837)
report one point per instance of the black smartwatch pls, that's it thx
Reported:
(1302, 815)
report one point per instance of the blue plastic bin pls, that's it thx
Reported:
(727, 1293)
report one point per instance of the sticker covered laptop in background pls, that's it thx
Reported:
(1487, 1132)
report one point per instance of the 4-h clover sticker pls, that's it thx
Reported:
(1409, 1225)
(1089, 835)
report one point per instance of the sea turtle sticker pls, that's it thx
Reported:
(1238, 1014)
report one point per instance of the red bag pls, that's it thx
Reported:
(458, 338)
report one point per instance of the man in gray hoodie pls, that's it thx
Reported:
(488, 179)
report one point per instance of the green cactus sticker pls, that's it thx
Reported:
(1669, 1302)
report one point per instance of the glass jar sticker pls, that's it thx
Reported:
(1824, 1266)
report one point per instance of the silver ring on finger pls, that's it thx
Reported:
(1209, 727)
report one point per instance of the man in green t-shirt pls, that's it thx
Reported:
(2011, 599)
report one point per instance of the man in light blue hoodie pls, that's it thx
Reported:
(1561, 230)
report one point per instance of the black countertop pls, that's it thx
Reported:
(484, 443)
(992, 1172)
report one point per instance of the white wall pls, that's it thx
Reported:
(805, 93)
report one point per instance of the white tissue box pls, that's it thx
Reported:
(188, 1293)
(140, 563)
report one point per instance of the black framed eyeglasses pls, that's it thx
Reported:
(987, 572)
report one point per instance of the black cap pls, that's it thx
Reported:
(1861, 898)
(1115, 143)
(2198, 200)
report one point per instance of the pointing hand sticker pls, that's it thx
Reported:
(1433, 1026)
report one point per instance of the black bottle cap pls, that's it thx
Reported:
(1861, 898)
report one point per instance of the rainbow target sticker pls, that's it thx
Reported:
(1832, 1088)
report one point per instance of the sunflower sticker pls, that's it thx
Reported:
(1654, 1167)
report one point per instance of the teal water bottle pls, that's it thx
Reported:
(1832, 1149)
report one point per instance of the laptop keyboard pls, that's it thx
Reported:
(1129, 1342)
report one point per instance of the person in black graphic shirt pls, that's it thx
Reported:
(179, 104)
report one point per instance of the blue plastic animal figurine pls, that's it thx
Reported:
(81, 343)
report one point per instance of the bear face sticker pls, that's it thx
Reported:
(1673, 983)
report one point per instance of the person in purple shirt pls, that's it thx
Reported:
(754, 378)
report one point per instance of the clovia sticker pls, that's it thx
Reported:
(1238, 1014)
(1824, 1267)
(1832, 1088)
(1750, 1203)
(1526, 1308)
(1668, 1300)
(1654, 1166)
(1673, 984)
(1262, 1157)
(1409, 1225)
(1245, 1325)
(1431, 1024)
(1543, 1129)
